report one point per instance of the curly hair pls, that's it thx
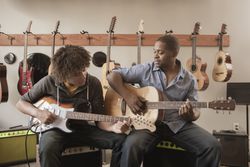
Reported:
(172, 43)
(69, 61)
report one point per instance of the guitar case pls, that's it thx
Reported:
(39, 63)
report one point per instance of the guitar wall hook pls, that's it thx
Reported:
(83, 32)
(37, 38)
(63, 38)
(169, 32)
(11, 38)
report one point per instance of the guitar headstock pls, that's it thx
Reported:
(223, 29)
(28, 27)
(197, 28)
(56, 27)
(140, 27)
(222, 104)
(112, 25)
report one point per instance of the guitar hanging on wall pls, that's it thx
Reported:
(195, 64)
(109, 65)
(4, 94)
(139, 42)
(53, 44)
(223, 68)
(25, 72)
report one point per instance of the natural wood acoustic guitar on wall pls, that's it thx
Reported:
(195, 64)
(223, 68)
(110, 64)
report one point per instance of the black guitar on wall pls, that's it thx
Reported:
(4, 94)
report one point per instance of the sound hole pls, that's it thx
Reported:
(219, 61)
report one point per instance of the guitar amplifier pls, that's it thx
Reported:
(234, 148)
(169, 154)
(12, 146)
(77, 156)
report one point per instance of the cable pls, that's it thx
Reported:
(26, 143)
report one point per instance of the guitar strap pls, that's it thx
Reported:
(87, 96)
(88, 102)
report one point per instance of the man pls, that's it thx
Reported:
(70, 83)
(166, 74)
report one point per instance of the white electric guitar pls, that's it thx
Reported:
(65, 112)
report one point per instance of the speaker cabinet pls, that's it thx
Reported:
(234, 148)
(12, 147)
(78, 156)
(168, 154)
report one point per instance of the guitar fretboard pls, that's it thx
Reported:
(94, 117)
(174, 104)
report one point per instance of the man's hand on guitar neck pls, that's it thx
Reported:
(188, 113)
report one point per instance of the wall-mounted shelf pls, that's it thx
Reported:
(102, 40)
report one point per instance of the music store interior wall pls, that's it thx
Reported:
(214, 36)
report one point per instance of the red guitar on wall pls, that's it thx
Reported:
(3, 84)
(25, 81)
(195, 64)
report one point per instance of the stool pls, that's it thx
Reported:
(76, 156)
(169, 154)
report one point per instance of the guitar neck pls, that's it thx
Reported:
(139, 36)
(174, 104)
(108, 53)
(220, 41)
(94, 117)
(53, 45)
(193, 68)
(25, 53)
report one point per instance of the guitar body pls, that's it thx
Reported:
(3, 84)
(25, 82)
(116, 106)
(223, 68)
(50, 104)
(199, 73)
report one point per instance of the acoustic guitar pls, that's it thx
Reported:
(115, 105)
(66, 111)
(109, 65)
(223, 68)
(25, 72)
(195, 64)
(4, 94)
(53, 44)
